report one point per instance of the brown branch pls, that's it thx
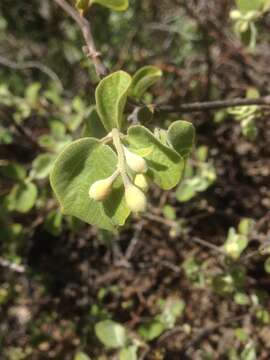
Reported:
(213, 105)
(85, 27)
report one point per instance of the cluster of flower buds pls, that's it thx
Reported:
(135, 184)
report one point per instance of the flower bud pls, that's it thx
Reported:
(100, 189)
(135, 162)
(135, 198)
(141, 182)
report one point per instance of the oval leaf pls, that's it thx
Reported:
(78, 166)
(117, 5)
(165, 165)
(22, 197)
(42, 165)
(181, 135)
(111, 334)
(143, 79)
(128, 353)
(111, 95)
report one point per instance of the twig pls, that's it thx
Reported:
(85, 27)
(31, 64)
(213, 105)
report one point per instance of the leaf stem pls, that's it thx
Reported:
(121, 156)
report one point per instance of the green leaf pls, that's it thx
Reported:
(13, 170)
(111, 95)
(93, 126)
(241, 298)
(249, 5)
(151, 330)
(172, 310)
(22, 197)
(111, 334)
(81, 356)
(165, 165)
(181, 135)
(169, 212)
(128, 353)
(82, 4)
(235, 244)
(267, 265)
(117, 5)
(53, 222)
(246, 226)
(77, 167)
(187, 189)
(42, 165)
(143, 79)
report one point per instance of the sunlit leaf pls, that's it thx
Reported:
(78, 166)
(110, 333)
(143, 79)
(117, 5)
(165, 165)
(111, 95)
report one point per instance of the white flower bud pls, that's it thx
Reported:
(141, 182)
(100, 189)
(135, 162)
(135, 198)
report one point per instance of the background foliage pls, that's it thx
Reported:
(189, 279)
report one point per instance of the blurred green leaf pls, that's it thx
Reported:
(151, 330)
(13, 170)
(128, 353)
(235, 244)
(246, 226)
(111, 334)
(81, 356)
(42, 165)
(53, 222)
(117, 5)
(22, 197)
(249, 5)
(267, 265)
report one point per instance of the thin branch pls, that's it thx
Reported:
(213, 105)
(31, 64)
(85, 27)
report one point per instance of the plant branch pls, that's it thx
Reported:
(85, 27)
(213, 105)
(121, 156)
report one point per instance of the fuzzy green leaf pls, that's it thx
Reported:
(165, 165)
(77, 167)
(22, 197)
(181, 135)
(111, 334)
(128, 353)
(143, 79)
(42, 165)
(111, 95)
(93, 126)
(117, 5)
